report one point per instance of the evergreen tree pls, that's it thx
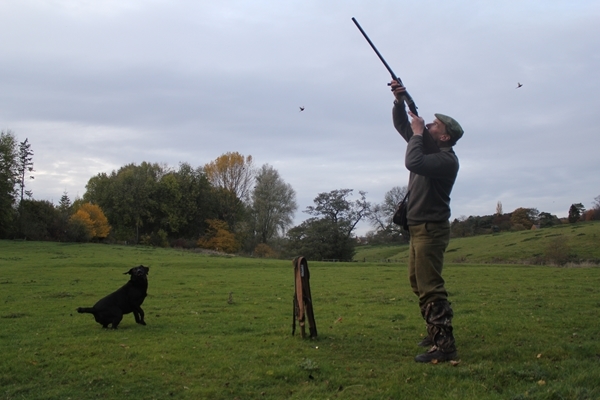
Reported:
(24, 166)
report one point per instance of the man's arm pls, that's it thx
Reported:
(403, 126)
(401, 122)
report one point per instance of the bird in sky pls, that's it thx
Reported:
(301, 109)
(519, 84)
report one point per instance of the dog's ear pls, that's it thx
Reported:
(128, 272)
(147, 269)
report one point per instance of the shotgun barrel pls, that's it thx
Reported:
(428, 142)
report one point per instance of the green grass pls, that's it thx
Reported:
(581, 241)
(523, 332)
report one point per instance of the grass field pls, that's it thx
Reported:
(523, 332)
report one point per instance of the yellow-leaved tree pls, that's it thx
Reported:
(232, 177)
(218, 237)
(233, 172)
(94, 220)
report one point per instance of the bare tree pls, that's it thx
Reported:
(499, 208)
(381, 214)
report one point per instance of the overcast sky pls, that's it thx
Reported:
(95, 85)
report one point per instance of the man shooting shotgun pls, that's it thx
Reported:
(433, 167)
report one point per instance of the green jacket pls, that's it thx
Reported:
(431, 178)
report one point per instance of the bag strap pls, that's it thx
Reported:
(302, 298)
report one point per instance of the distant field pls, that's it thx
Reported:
(523, 332)
(581, 241)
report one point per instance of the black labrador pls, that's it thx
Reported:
(128, 298)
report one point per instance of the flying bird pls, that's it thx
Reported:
(301, 109)
(519, 84)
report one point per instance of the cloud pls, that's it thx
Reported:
(97, 85)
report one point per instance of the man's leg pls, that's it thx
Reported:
(430, 243)
(439, 319)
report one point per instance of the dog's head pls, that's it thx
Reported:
(139, 272)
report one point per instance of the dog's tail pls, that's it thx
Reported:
(82, 310)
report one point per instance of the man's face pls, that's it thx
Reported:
(438, 131)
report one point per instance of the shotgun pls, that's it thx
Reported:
(428, 142)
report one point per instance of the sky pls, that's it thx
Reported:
(95, 85)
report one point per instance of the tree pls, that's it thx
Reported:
(36, 220)
(499, 208)
(24, 166)
(381, 216)
(142, 200)
(273, 205)
(94, 220)
(128, 197)
(218, 237)
(8, 180)
(232, 175)
(524, 217)
(336, 208)
(64, 210)
(328, 235)
(546, 220)
(233, 172)
(321, 239)
(596, 203)
(575, 212)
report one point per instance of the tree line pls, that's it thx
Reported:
(226, 205)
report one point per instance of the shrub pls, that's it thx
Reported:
(263, 250)
(558, 251)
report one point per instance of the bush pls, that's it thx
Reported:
(263, 250)
(558, 251)
(77, 231)
(156, 239)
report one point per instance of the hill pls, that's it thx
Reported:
(576, 243)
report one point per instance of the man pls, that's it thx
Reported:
(433, 168)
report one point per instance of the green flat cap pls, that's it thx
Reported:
(452, 127)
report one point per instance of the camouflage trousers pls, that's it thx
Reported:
(438, 316)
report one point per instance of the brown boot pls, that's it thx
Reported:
(439, 317)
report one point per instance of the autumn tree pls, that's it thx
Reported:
(232, 176)
(94, 220)
(233, 172)
(24, 167)
(218, 237)
(273, 203)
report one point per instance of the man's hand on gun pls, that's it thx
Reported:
(417, 123)
(398, 90)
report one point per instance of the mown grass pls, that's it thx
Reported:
(523, 332)
(580, 242)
